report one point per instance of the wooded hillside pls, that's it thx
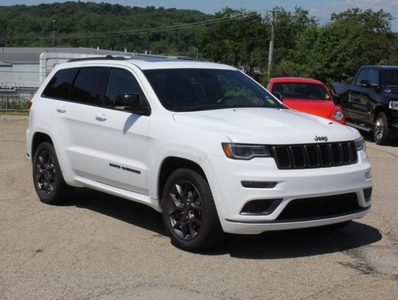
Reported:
(107, 26)
(302, 46)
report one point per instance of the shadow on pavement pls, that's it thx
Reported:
(269, 245)
(298, 243)
(124, 210)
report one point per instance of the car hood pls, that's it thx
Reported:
(393, 91)
(322, 108)
(266, 126)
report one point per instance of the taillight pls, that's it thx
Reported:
(30, 103)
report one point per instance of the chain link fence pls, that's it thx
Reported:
(14, 103)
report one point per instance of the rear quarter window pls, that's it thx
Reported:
(60, 84)
(82, 85)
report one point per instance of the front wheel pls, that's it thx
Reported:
(380, 131)
(47, 176)
(189, 213)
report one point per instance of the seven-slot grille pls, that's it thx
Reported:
(314, 155)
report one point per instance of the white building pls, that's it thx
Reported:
(22, 70)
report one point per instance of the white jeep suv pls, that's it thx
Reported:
(201, 142)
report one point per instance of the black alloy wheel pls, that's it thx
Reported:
(47, 176)
(189, 213)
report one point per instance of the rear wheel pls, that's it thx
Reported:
(189, 213)
(380, 131)
(47, 176)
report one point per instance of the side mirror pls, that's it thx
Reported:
(131, 103)
(368, 83)
(365, 83)
(278, 95)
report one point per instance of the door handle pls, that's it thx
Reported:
(101, 117)
(61, 109)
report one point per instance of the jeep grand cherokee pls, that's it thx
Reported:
(201, 142)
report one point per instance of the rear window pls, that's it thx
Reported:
(293, 90)
(390, 77)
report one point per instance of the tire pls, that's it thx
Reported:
(47, 176)
(380, 130)
(189, 213)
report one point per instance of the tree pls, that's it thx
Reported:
(323, 54)
(375, 27)
(393, 59)
(89, 24)
(335, 51)
(237, 38)
(288, 27)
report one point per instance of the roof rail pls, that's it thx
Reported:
(100, 58)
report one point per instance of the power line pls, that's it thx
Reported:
(143, 30)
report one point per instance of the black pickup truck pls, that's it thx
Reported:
(371, 101)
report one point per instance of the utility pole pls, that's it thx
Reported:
(271, 43)
(53, 34)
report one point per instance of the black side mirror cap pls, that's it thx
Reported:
(368, 83)
(131, 103)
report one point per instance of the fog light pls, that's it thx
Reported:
(261, 207)
(259, 184)
(367, 193)
(368, 175)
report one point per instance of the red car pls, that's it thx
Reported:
(307, 95)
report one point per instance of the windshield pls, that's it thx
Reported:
(202, 89)
(294, 90)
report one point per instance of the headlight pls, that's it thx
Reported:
(360, 144)
(338, 115)
(242, 151)
(393, 105)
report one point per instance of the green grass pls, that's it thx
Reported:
(14, 113)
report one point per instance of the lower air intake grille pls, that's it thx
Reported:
(312, 208)
(314, 155)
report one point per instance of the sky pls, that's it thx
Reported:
(322, 10)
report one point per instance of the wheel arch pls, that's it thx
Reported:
(38, 138)
(171, 164)
(378, 109)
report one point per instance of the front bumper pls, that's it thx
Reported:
(226, 176)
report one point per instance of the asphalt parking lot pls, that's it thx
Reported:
(101, 247)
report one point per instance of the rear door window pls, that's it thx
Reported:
(87, 86)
